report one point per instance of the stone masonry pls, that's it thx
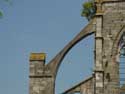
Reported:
(108, 25)
(41, 81)
(84, 87)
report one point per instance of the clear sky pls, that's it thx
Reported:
(42, 26)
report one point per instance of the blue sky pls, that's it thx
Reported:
(42, 26)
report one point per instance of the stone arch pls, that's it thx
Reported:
(56, 61)
(47, 73)
(76, 66)
(116, 41)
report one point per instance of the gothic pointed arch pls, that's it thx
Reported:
(116, 42)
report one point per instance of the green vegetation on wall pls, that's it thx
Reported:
(88, 9)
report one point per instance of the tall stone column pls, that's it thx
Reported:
(99, 74)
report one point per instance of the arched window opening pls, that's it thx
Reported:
(122, 65)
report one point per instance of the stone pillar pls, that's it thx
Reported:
(99, 74)
(41, 80)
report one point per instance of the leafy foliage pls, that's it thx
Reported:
(1, 13)
(88, 10)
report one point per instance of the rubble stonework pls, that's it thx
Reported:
(108, 25)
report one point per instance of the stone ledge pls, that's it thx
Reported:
(108, 1)
(37, 57)
(42, 76)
